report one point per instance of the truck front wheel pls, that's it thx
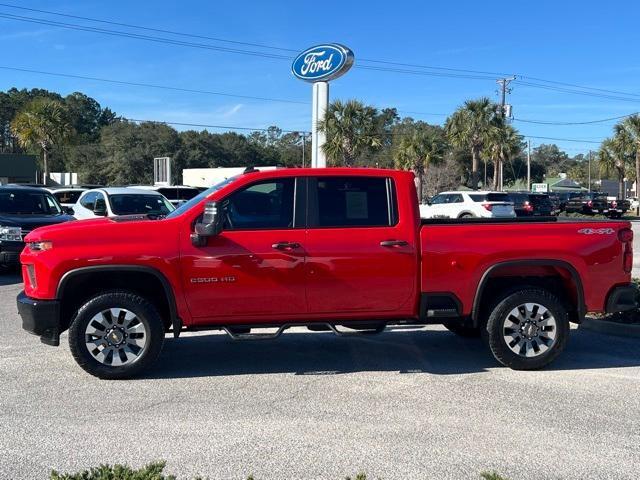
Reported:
(527, 329)
(116, 335)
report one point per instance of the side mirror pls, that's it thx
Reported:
(68, 210)
(210, 225)
(100, 208)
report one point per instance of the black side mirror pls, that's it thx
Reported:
(100, 208)
(211, 224)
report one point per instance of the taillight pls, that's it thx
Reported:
(487, 206)
(625, 235)
(528, 207)
(590, 203)
(614, 204)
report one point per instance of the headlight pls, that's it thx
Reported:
(11, 233)
(39, 246)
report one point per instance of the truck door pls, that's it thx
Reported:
(361, 255)
(255, 267)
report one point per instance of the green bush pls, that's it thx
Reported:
(154, 470)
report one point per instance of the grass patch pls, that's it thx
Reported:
(154, 471)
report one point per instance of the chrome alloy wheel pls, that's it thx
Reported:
(116, 337)
(530, 330)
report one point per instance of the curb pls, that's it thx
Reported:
(611, 328)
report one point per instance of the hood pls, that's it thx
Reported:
(30, 222)
(81, 227)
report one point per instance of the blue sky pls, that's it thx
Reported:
(588, 43)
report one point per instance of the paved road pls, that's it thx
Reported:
(421, 404)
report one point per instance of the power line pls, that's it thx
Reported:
(150, 29)
(550, 122)
(204, 125)
(148, 85)
(577, 92)
(564, 139)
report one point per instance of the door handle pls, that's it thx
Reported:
(285, 245)
(393, 243)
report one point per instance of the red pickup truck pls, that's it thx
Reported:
(335, 249)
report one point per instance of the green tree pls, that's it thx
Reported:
(632, 126)
(615, 154)
(503, 143)
(352, 130)
(42, 124)
(417, 149)
(469, 128)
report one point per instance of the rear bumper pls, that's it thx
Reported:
(623, 298)
(40, 317)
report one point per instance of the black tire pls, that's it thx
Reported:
(495, 329)
(143, 310)
(462, 329)
(467, 215)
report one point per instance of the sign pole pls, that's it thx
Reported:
(319, 109)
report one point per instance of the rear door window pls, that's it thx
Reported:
(352, 202)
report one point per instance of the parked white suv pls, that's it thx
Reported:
(469, 204)
(111, 202)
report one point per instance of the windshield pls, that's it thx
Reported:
(136, 203)
(28, 203)
(195, 200)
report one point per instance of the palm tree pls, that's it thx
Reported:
(469, 127)
(42, 124)
(417, 149)
(614, 154)
(503, 143)
(632, 126)
(352, 130)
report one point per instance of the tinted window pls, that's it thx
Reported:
(264, 205)
(28, 203)
(68, 197)
(455, 198)
(438, 199)
(179, 193)
(89, 200)
(489, 197)
(352, 202)
(133, 203)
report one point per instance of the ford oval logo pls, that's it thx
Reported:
(322, 62)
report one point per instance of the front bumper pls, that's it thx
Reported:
(623, 298)
(40, 317)
(10, 252)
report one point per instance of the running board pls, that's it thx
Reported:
(272, 336)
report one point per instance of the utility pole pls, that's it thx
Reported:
(589, 170)
(529, 165)
(304, 146)
(504, 89)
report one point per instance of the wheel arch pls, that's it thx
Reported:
(117, 276)
(493, 272)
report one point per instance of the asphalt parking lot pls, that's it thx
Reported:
(403, 404)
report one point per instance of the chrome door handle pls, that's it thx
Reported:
(285, 245)
(393, 243)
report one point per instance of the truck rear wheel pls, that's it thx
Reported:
(116, 335)
(527, 329)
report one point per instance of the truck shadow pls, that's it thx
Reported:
(436, 352)
(10, 277)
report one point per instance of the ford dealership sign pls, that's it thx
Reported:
(322, 62)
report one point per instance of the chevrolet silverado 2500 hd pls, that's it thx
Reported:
(327, 248)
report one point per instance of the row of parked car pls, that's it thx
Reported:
(26, 207)
(486, 204)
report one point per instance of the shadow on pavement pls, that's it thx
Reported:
(435, 352)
